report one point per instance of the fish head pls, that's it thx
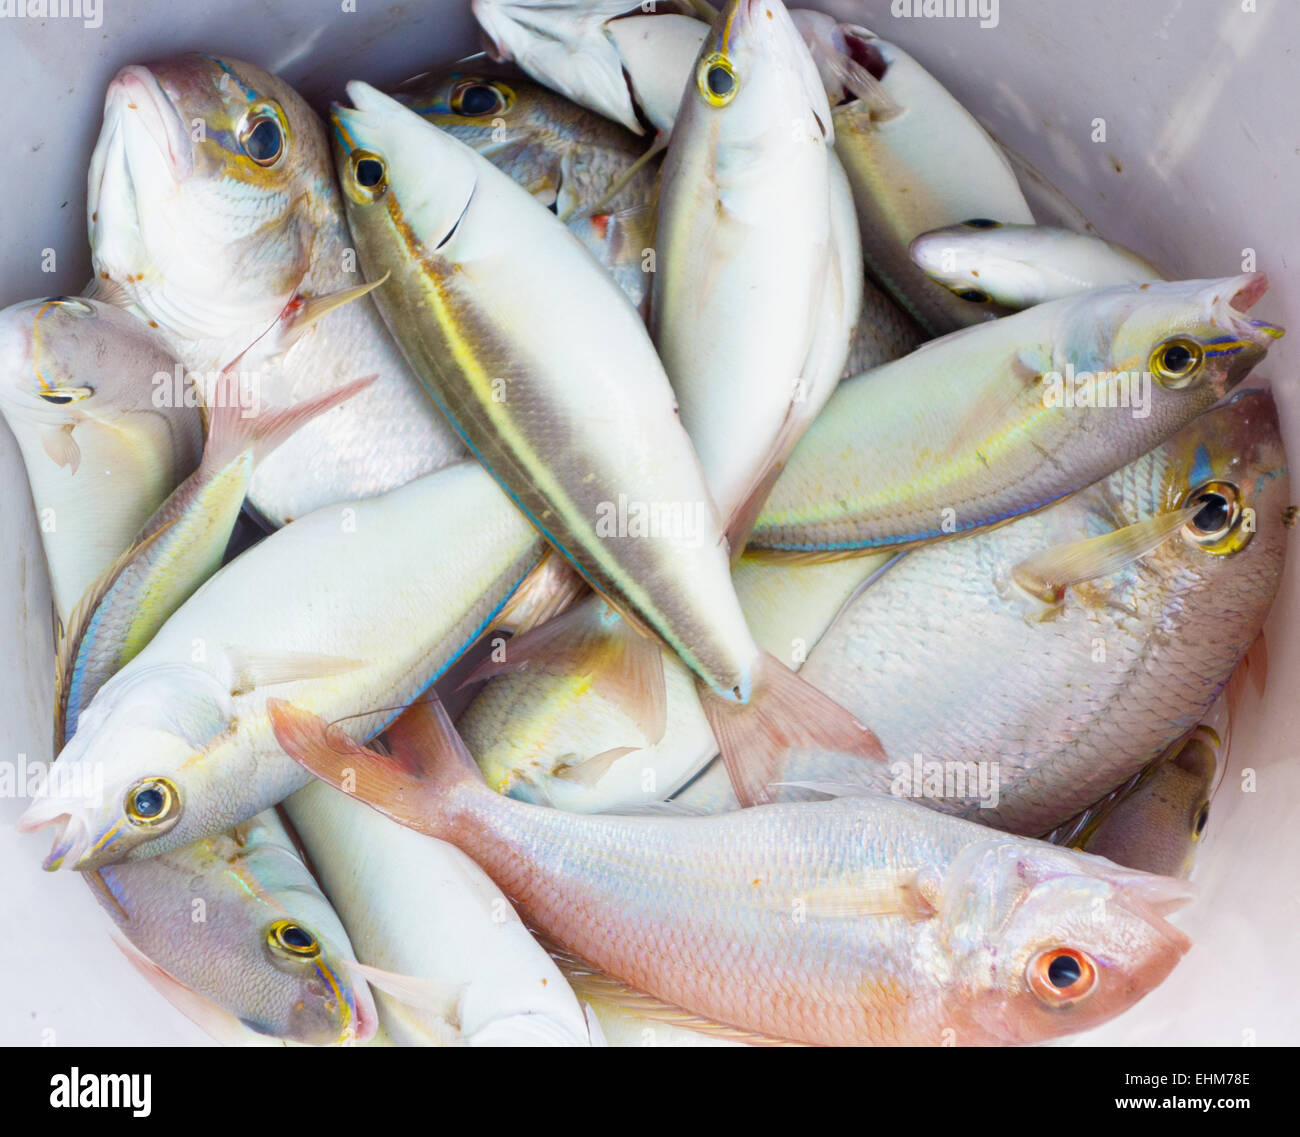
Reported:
(379, 144)
(205, 184)
(1231, 461)
(1052, 941)
(983, 261)
(130, 782)
(755, 80)
(1190, 339)
(66, 360)
(296, 969)
(490, 111)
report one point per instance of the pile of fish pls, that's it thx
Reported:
(845, 583)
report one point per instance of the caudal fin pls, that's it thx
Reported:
(410, 786)
(785, 714)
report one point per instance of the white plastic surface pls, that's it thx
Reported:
(1201, 161)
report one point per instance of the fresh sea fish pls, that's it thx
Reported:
(952, 438)
(78, 390)
(179, 548)
(916, 158)
(327, 613)
(211, 230)
(582, 49)
(1032, 709)
(566, 156)
(422, 908)
(1156, 821)
(745, 246)
(985, 262)
(235, 931)
(484, 288)
(856, 921)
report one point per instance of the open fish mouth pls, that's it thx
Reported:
(70, 842)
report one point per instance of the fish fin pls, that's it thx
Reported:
(69, 642)
(427, 759)
(253, 669)
(745, 516)
(911, 894)
(551, 588)
(304, 312)
(532, 1028)
(622, 664)
(231, 430)
(785, 713)
(217, 1023)
(1048, 574)
(589, 983)
(590, 770)
(1253, 668)
(107, 291)
(58, 443)
(423, 993)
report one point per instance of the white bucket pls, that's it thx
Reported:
(1199, 163)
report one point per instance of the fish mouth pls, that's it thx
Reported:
(70, 841)
(136, 96)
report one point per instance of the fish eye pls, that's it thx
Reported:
(1062, 976)
(152, 802)
(291, 940)
(1202, 820)
(62, 396)
(1177, 362)
(72, 305)
(261, 135)
(475, 98)
(982, 223)
(717, 80)
(370, 175)
(973, 295)
(1217, 524)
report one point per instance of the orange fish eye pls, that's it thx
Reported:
(1062, 976)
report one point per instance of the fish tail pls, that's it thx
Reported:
(412, 785)
(234, 426)
(785, 714)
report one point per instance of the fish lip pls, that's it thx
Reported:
(135, 89)
(1252, 286)
(69, 843)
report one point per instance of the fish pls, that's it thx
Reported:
(176, 746)
(484, 289)
(862, 920)
(212, 208)
(571, 160)
(236, 932)
(1157, 820)
(952, 438)
(1035, 707)
(916, 158)
(102, 448)
(622, 68)
(422, 908)
(179, 548)
(745, 248)
(982, 262)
